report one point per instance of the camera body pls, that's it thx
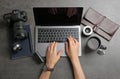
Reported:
(16, 20)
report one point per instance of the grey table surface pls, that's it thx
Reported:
(94, 66)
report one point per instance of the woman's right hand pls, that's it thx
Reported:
(72, 48)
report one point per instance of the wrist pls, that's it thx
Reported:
(74, 60)
(49, 65)
(46, 68)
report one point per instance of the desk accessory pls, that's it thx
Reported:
(100, 52)
(100, 24)
(87, 30)
(27, 47)
(45, 68)
(16, 20)
(19, 34)
(94, 43)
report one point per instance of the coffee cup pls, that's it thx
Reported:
(94, 43)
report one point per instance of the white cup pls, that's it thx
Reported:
(87, 30)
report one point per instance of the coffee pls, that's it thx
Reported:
(93, 43)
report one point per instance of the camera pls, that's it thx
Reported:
(16, 20)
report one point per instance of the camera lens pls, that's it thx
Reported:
(16, 47)
(19, 31)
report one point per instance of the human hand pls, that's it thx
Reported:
(71, 12)
(52, 56)
(72, 48)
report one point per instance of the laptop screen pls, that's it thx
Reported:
(57, 16)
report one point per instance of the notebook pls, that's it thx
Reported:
(100, 24)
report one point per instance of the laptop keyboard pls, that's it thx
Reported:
(47, 35)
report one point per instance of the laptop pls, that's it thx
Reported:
(56, 24)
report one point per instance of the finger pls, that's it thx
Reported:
(48, 48)
(59, 54)
(76, 42)
(51, 47)
(72, 40)
(66, 46)
(69, 41)
(55, 46)
(51, 43)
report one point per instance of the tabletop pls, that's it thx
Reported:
(94, 65)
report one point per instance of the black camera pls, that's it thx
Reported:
(16, 20)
